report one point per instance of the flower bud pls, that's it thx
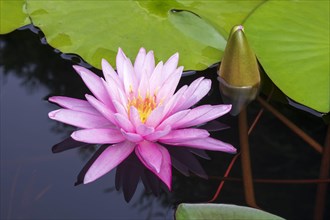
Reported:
(239, 78)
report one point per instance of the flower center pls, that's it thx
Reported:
(144, 106)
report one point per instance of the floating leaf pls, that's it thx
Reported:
(291, 41)
(12, 15)
(95, 29)
(193, 26)
(187, 211)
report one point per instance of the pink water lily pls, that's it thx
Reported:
(136, 108)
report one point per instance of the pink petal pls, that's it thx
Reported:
(154, 136)
(132, 137)
(155, 117)
(138, 63)
(170, 65)
(101, 108)
(202, 114)
(120, 108)
(165, 172)
(98, 136)
(156, 78)
(120, 62)
(134, 117)
(144, 130)
(74, 104)
(207, 143)
(195, 92)
(115, 93)
(160, 113)
(173, 119)
(94, 83)
(169, 86)
(110, 74)
(129, 78)
(166, 169)
(79, 119)
(195, 113)
(124, 123)
(150, 154)
(149, 63)
(171, 104)
(144, 86)
(109, 159)
(186, 94)
(184, 135)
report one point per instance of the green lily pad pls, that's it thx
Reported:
(220, 211)
(191, 25)
(12, 15)
(95, 29)
(291, 41)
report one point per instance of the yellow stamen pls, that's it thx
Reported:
(144, 106)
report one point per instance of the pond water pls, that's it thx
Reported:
(37, 184)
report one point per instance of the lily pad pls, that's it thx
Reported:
(291, 41)
(220, 211)
(95, 29)
(12, 15)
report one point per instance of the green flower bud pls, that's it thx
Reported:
(239, 78)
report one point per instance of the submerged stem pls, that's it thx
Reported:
(232, 162)
(246, 162)
(291, 125)
(254, 123)
(275, 181)
(324, 174)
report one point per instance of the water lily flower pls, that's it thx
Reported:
(136, 109)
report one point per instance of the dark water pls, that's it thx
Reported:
(37, 184)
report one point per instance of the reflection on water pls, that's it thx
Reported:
(37, 184)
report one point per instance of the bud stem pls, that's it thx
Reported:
(246, 162)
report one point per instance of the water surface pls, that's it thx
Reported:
(37, 184)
